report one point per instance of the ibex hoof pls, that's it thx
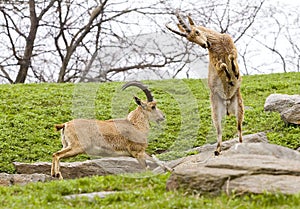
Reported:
(57, 175)
(217, 153)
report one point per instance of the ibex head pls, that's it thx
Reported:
(148, 107)
(191, 32)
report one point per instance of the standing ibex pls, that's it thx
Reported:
(224, 79)
(116, 137)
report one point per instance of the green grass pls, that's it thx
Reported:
(28, 113)
(134, 191)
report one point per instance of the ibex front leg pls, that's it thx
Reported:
(218, 112)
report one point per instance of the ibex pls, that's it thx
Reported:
(224, 79)
(115, 137)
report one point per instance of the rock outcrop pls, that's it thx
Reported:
(103, 166)
(287, 105)
(243, 168)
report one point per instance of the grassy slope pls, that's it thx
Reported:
(28, 112)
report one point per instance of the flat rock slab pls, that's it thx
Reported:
(263, 183)
(244, 168)
(274, 150)
(250, 138)
(22, 179)
(206, 151)
(90, 196)
(101, 167)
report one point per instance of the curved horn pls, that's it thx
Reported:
(174, 31)
(141, 86)
(182, 22)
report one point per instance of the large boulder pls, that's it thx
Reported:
(243, 168)
(103, 166)
(287, 105)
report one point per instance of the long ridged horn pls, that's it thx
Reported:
(141, 86)
(182, 22)
(174, 31)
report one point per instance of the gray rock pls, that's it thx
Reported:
(201, 180)
(206, 151)
(263, 149)
(251, 138)
(244, 168)
(291, 115)
(287, 105)
(263, 183)
(280, 102)
(103, 166)
(22, 179)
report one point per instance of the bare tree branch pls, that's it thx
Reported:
(257, 9)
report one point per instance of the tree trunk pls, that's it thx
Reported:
(76, 40)
(25, 61)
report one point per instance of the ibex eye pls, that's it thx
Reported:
(153, 107)
(197, 33)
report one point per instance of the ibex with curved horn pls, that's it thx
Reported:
(224, 79)
(116, 137)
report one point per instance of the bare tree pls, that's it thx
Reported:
(104, 33)
(76, 39)
(275, 35)
(24, 55)
(79, 31)
(68, 41)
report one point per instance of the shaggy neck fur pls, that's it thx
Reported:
(139, 119)
(220, 45)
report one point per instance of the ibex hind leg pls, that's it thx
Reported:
(240, 116)
(218, 112)
(141, 158)
(64, 153)
(143, 163)
(236, 108)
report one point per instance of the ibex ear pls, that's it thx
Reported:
(137, 100)
(191, 21)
